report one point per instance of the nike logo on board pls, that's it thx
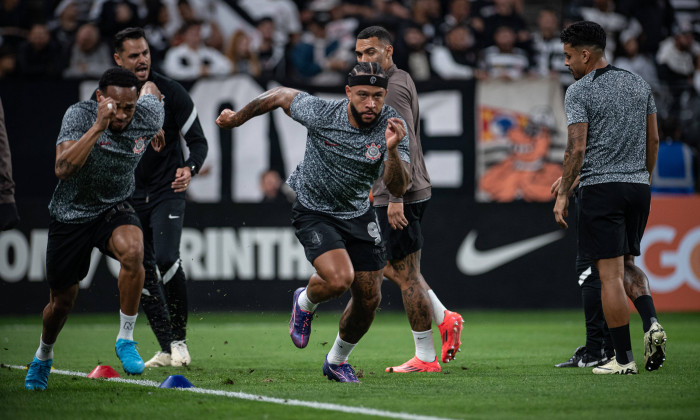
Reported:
(472, 261)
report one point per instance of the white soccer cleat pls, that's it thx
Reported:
(179, 354)
(614, 368)
(159, 360)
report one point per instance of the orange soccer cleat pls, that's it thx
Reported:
(450, 332)
(415, 365)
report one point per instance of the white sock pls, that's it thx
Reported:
(126, 326)
(305, 304)
(438, 308)
(340, 351)
(45, 351)
(425, 350)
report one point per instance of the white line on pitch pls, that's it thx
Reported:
(261, 398)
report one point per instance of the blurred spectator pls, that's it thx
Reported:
(459, 13)
(193, 59)
(285, 14)
(317, 58)
(505, 13)
(427, 14)
(270, 52)
(547, 48)
(83, 8)
(615, 24)
(65, 25)
(90, 57)
(39, 57)
(412, 55)
(458, 58)
(637, 63)
(504, 60)
(205, 14)
(114, 15)
(274, 190)
(676, 61)
(8, 62)
(243, 59)
(656, 18)
(14, 20)
(159, 29)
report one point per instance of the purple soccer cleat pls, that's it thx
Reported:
(300, 323)
(340, 373)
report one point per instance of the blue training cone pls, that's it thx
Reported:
(176, 381)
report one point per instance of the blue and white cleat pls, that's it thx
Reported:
(300, 322)
(38, 374)
(129, 356)
(340, 373)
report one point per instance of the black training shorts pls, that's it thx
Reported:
(70, 244)
(360, 237)
(400, 243)
(612, 219)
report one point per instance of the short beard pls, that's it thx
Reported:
(358, 118)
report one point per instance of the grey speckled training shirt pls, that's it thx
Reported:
(340, 162)
(107, 177)
(615, 104)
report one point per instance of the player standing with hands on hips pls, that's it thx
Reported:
(613, 142)
(98, 148)
(350, 143)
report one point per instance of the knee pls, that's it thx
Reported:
(371, 303)
(62, 306)
(339, 281)
(131, 254)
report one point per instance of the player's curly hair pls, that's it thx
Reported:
(118, 76)
(373, 69)
(376, 31)
(124, 34)
(584, 33)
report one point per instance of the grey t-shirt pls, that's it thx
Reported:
(340, 162)
(615, 104)
(107, 177)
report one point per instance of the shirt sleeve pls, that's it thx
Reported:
(150, 115)
(651, 104)
(575, 107)
(308, 110)
(187, 121)
(76, 121)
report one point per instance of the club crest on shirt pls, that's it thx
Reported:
(373, 152)
(140, 145)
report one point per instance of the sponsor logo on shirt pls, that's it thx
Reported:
(140, 145)
(373, 152)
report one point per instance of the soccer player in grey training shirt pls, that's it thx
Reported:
(613, 143)
(97, 150)
(350, 143)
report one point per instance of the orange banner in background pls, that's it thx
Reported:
(671, 252)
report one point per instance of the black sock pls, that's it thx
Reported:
(176, 296)
(622, 343)
(595, 320)
(153, 304)
(645, 307)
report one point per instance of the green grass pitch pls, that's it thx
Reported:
(505, 370)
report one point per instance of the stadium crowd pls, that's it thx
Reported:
(312, 41)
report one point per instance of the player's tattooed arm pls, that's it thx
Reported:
(573, 156)
(279, 97)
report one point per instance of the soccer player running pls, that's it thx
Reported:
(159, 199)
(400, 218)
(612, 143)
(350, 143)
(98, 148)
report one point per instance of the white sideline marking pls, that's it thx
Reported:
(262, 398)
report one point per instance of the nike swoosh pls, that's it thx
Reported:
(170, 216)
(472, 261)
